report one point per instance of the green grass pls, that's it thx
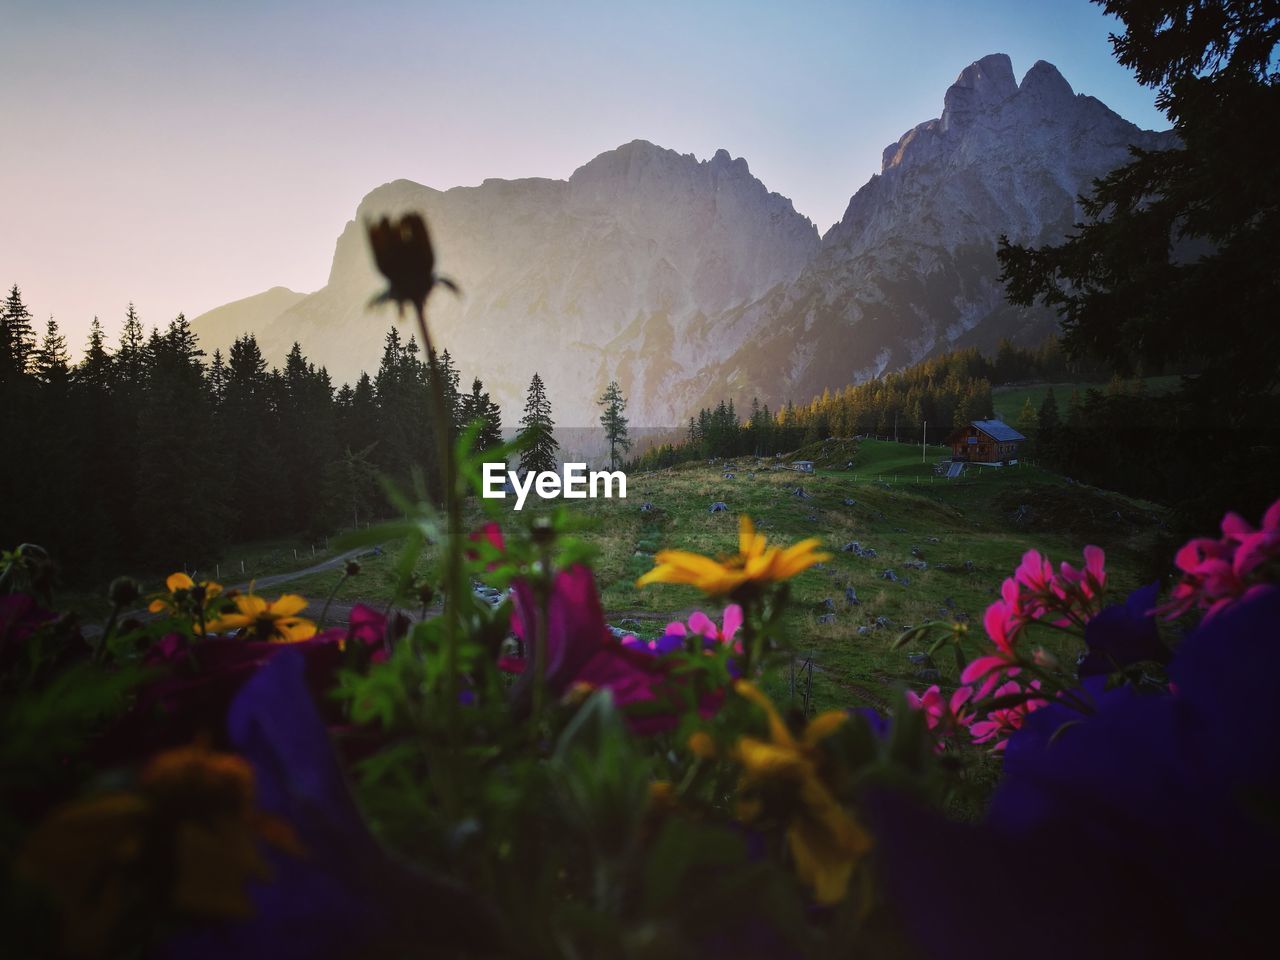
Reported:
(1009, 401)
(971, 533)
(979, 520)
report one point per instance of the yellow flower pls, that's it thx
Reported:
(276, 622)
(701, 745)
(185, 841)
(825, 841)
(662, 795)
(756, 564)
(180, 589)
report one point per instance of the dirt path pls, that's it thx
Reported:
(275, 579)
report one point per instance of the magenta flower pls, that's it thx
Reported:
(1070, 597)
(581, 652)
(1003, 621)
(1090, 581)
(699, 625)
(1003, 721)
(369, 627)
(1218, 573)
(945, 716)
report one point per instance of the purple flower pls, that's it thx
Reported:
(1123, 634)
(345, 897)
(1143, 829)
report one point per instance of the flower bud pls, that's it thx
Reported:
(124, 591)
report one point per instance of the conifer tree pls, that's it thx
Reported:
(478, 405)
(17, 337)
(613, 421)
(50, 362)
(537, 431)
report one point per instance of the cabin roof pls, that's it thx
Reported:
(997, 429)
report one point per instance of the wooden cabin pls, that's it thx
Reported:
(986, 441)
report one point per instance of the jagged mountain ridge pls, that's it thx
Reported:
(690, 281)
(641, 241)
(910, 270)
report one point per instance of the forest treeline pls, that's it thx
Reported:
(150, 452)
(942, 393)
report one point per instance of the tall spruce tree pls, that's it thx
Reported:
(478, 405)
(17, 337)
(613, 421)
(537, 431)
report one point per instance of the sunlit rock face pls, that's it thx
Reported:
(689, 281)
(614, 272)
(910, 270)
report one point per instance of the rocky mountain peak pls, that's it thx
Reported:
(982, 85)
(689, 281)
(1045, 84)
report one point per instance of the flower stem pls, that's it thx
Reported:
(324, 614)
(442, 423)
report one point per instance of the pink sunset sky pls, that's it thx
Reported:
(185, 155)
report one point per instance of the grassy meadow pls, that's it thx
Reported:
(970, 533)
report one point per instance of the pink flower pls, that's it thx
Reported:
(1003, 721)
(702, 625)
(1091, 581)
(369, 627)
(1003, 620)
(1035, 573)
(490, 533)
(581, 652)
(1217, 573)
(945, 716)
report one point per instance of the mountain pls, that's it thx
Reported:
(910, 270)
(222, 325)
(690, 281)
(572, 279)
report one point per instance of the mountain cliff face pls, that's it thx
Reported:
(573, 279)
(689, 281)
(910, 269)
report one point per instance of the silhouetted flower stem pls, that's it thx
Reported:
(324, 613)
(442, 424)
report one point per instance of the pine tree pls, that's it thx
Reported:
(478, 405)
(613, 421)
(540, 448)
(131, 357)
(17, 337)
(95, 369)
(49, 362)
(449, 373)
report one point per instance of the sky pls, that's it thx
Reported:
(181, 156)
